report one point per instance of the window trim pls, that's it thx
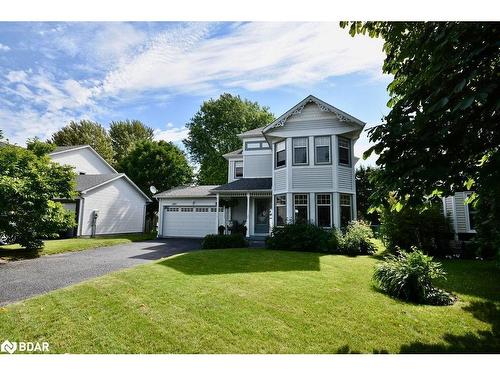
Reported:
(301, 205)
(351, 204)
(234, 169)
(263, 145)
(315, 150)
(276, 209)
(350, 151)
(324, 205)
(276, 154)
(307, 151)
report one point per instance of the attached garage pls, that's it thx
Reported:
(188, 212)
(184, 221)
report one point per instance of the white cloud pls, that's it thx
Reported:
(4, 48)
(171, 134)
(255, 56)
(16, 76)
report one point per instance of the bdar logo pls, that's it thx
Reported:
(8, 347)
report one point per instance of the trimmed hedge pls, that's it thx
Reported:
(224, 241)
(298, 237)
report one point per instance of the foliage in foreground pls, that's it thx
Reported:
(423, 227)
(223, 241)
(409, 276)
(356, 240)
(28, 185)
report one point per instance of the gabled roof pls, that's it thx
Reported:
(61, 149)
(187, 192)
(235, 153)
(246, 184)
(257, 132)
(88, 182)
(296, 109)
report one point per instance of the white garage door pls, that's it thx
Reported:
(189, 221)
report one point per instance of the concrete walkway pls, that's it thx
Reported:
(26, 278)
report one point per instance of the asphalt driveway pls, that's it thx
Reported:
(26, 278)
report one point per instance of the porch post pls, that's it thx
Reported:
(248, 214)
(217, 215)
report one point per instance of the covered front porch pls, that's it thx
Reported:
(249, 208)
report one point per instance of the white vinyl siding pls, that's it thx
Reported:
(121, 209)
(280, 180)
(345, 178)
(312, 178)
(83, 160)
(259, 165)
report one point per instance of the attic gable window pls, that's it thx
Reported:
(344, 151)
(280, 151)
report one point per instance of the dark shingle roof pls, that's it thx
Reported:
(244, 184)
(187, 192)
(88, 181)
(253, 132)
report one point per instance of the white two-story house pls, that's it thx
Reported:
(108, 202)
(299, 168)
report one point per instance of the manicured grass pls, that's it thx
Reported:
(14, 252)
(258, 301)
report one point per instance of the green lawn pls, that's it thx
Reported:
(15, 252)
(258, 301)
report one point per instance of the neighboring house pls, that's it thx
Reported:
(108, 201)
(298, 168)
(461, 215)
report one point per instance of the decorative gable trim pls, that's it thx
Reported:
(323, 106)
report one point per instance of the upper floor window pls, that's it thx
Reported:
(300, 151)
(300, 208)
(344, 151)
(238, 169)
(280, 154)
(322, 150)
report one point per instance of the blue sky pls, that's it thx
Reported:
(161, 72)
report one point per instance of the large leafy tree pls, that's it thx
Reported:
(442, 133)
(28, 186)
(364, 190)
(124, 134)
(85, 132)
(159, 164)
(213, 132)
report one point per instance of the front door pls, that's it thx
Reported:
(262, 207)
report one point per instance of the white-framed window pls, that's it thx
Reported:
(202, 209)
(301, 208)
(280, 154)
(172, 209)
(344, 151)
(238, 169)
(280, 204)
(322, 152)
(213, 209)
(186, 209)
(345, 209)
(324, 210)
(300, 148)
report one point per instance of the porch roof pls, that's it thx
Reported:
(246, 185)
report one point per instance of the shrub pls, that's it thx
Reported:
(409, 276)
(302, 237)
(334, 241)
(426, 229)
(357, 239)
(223, 241)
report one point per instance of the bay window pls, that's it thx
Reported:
(300, 208)
(280, 157)
(345, 209)
(324, 210)
(300, 151)
(280, 210)
(322, 150)
(344, 151)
